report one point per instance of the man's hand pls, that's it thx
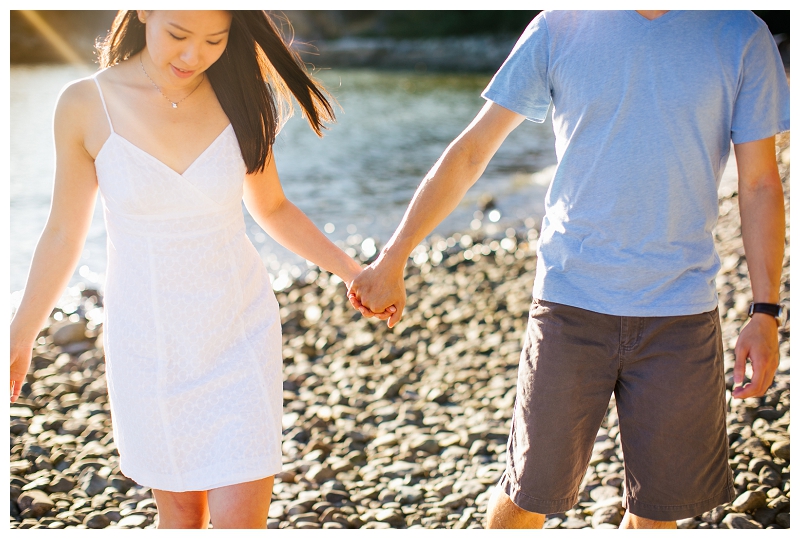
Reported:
(763, 236)
(380, 288)
(758, 342)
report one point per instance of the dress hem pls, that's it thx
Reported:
(172, 484)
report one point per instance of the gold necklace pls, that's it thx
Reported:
(174, 103)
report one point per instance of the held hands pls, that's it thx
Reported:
(379, 291)
(353, 273)
(758, 341)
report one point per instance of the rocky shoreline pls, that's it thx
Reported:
(475, 54)
(398, 428)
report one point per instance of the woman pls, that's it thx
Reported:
(175, 133)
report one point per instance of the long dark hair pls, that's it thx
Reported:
(254, 79)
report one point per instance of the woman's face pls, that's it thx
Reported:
(183, 44)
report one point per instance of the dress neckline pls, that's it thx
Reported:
(159, 161)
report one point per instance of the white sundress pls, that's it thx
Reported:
(192, 331)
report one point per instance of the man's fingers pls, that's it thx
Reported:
(740, 365)
(758, 378)
(395, 318)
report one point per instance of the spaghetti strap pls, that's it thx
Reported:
(110, 125)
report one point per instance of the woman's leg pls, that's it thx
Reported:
(182, 509)
(244, 505)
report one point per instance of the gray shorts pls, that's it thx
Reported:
(668, 378)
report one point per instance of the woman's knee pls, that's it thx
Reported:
(244, 505)
(182, 510)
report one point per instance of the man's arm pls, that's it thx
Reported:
(460, 166)
(763, 231)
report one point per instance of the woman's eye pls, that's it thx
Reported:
(214, 42)
(176, 37)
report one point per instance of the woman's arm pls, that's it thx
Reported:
(286, 224)
(61, 243)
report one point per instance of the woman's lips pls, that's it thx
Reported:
(180, 73)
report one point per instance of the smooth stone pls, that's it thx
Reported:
(112, 513)
(687, 523)
(319, 473)
(402, 468)
(574, 523)
(68, 333)
(409, 495)
(782, 520)
(780, 450)
(769, 477)
(20, 467)
(603, 492)
(96, 520)
(304, 517)
(336, 496)
(765, 516)
(780, 502)
(614, 501)
(389, 516)
(552, 523)
(388, 440)
(61, 483)
(606, 515)
(132, 521)
(749, 501)
(93, 484)
(715, 516)
(757, 464)
(739, 521)
(34, 504)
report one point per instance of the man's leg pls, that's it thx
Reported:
(632, 522)
(671, 405)
(567, 372)
(504, 514)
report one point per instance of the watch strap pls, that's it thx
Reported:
(772, 309)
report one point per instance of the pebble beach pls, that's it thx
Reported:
(401, 428)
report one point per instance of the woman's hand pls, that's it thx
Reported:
(20, 363)
(351, 276)
(61, 243)
(380, 286)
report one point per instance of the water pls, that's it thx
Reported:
(356, 181)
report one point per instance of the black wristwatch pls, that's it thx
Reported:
(778, 310)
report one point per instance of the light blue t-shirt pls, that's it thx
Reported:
(644, 113)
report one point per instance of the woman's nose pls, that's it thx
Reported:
(189, 56)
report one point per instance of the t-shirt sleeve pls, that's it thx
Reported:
(762, 104)
(521, 84)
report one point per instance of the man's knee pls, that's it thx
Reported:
(632, 522)
(505, 514)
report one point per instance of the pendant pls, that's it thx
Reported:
(174, 105)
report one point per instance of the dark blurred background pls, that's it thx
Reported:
(345, 38)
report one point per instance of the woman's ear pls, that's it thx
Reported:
(142, 15)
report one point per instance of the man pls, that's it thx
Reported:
(645, 106)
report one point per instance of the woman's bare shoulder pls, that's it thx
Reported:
(78, 99)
